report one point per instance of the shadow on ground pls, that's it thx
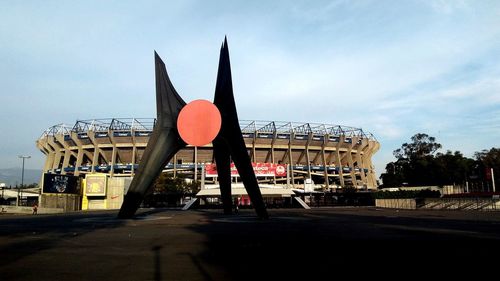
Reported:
(317, 244)
(321, 244)
(32, 234)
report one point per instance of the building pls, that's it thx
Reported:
(107, 152)
(332, 156)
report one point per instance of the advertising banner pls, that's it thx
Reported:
(66, 184)
(95, 185)
(487, 173)
(260, 170)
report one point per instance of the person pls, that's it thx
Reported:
(35, 209)
(236, 203)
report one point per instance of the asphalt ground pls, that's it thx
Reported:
(294, 244)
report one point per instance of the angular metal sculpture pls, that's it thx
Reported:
(229, 144)
(165, 142)
(162, 145)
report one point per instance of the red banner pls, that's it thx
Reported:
(260, 170)
(487, 172)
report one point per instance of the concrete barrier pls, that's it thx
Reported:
(396, 203)
(67, 202)
(8, 209)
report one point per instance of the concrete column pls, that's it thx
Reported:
(351, 163)
(323, 159)
(372, 179)
(134, 153)
(98, 150)
(58, 155)
(253, 156)
(273, 160)
(360, 159)
(368, 152)
(81, 151)
(338, 162)
(95, 156)
(195, 163)
(49, 151)
(113, 160)
(308, 159)
(79, 160)
(67, 152)
(292, 135)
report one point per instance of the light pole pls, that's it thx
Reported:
(22, 176)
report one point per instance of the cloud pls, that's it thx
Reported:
(485, 91)
(448, 6)
(392, 69)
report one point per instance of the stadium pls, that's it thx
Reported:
(332, 156)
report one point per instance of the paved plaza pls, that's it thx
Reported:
(162, 244)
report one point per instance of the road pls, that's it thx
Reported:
(161, 244)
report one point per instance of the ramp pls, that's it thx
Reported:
(189, 204)
(301, 202)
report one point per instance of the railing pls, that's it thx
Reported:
(482, 204)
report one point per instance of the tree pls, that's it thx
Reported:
(422, 145)
(418, 164)
(454, 168)
(169, 191)
(489, 158)
(167, 184)
(486, 160)
(393, 176)
(414, 160)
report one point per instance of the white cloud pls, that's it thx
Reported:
(448, 6)
(393, 69)
(484, 91)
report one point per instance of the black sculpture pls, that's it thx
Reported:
(165, 141)
(162, 145)
(229, 144)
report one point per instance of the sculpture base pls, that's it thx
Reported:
(130, 205)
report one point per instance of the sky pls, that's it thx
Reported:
(392, 68)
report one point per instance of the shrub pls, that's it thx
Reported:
(407, 194)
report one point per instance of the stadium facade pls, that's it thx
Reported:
(332, 156)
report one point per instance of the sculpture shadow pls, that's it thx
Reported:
(321, 245)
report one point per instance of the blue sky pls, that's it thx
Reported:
(393, 68)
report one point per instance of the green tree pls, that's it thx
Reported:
(168, 191)
(415, 164)
(453, 167)
(422, 145)
(486, 160)
(393, 176)
(418, 164)
(167, 184)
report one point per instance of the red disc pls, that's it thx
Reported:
(199, 122)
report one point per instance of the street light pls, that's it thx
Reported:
(22, 177)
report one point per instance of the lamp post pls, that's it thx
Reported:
(22, 176)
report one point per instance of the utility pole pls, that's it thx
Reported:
(22, 177)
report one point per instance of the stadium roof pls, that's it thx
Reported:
(247, 126)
